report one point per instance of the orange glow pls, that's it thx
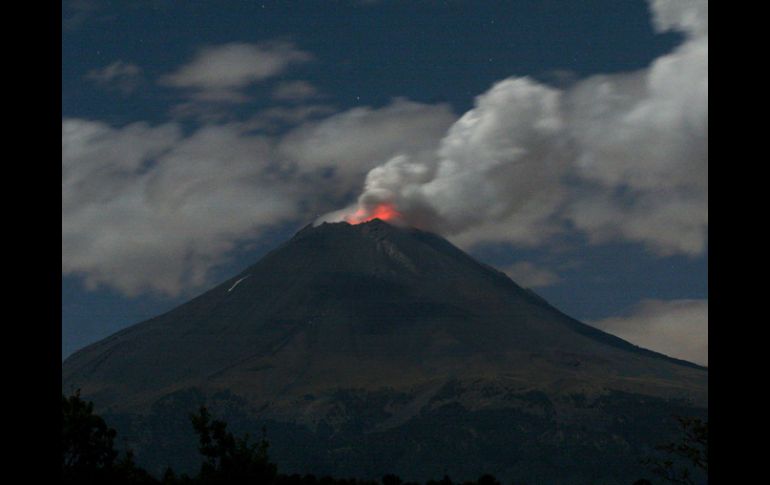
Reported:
(384, 212)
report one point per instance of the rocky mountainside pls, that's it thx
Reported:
(369, 349)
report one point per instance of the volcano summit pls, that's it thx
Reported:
(369, 349)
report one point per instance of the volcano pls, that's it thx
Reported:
(368, 349)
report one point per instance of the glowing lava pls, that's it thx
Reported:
(384, 212)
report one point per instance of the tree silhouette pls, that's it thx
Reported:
(87, 442)
(487, 479)
(391, 479)
(228, 459)
(88, 453)
(691, 448)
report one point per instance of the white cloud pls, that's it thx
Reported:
(147, 208)
(677, 328)
(643, 145)
(220, 73)
(690, 16)
(530, 275)
(122, 76)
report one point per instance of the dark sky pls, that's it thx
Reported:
(149, 74)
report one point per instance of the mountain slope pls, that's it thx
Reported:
(354, 330)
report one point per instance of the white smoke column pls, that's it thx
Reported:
(633, 146)
(491, 161)
(498, 155)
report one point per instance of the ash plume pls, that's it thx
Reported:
(620, 156)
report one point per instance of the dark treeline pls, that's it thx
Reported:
(89, 456)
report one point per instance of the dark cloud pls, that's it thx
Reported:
(121, 76)
(677, 328)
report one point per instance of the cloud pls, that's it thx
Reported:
(280, 117)
(677, 328)
(220, 73)
(617, 157)
(75, 13)
(351, 143)
(690, 16)
(643, 148)
(152, 209)
(295, 91)
(146, 209)
(530, 275)
(121, 76)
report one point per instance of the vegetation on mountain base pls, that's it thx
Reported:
(89, 456)
(692, 449)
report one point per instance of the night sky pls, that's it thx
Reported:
(565, 143)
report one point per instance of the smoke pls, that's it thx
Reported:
(621, 156)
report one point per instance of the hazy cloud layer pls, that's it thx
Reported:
(146, 208)
(677, 328)
(279, 117)
(295, 91)
(619, 157)
(530, 275)
(121, 76)
(75, 13)
(220, 73)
